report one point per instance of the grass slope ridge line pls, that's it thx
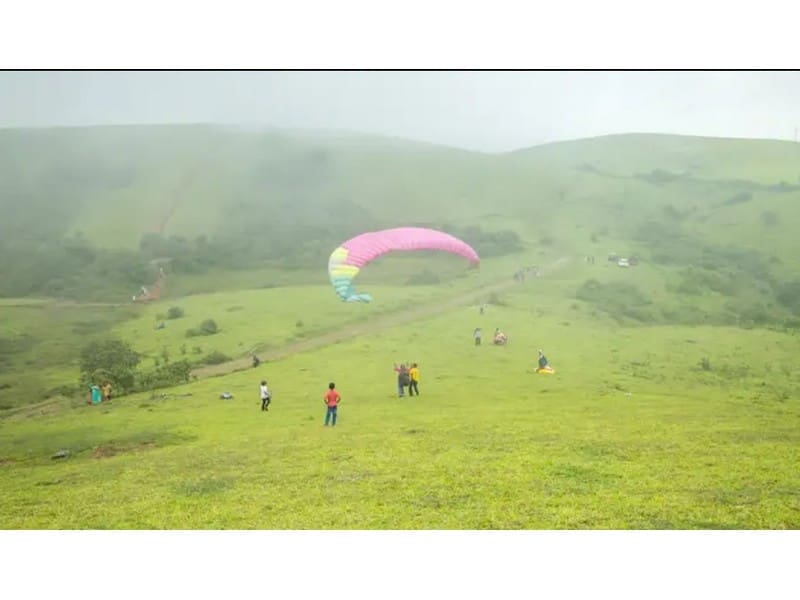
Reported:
(380, 323)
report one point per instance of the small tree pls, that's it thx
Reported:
(209, 327)
(216, 358)
(175, 312)
(113, 360)
(166, 375)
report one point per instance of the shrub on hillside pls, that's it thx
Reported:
(175, 312)
(792, 323)
(168, 375)
(618, 299)
(695, 282)
(207, 327)
(486, 243)
(215, 358)
(496, 300)
(788, 294)
(751, 314)
(112, 360)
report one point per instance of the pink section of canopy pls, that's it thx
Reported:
(368, 246)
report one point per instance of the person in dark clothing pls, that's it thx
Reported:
(403, 379)
(542, 360)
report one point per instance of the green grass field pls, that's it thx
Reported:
(674, 404)
(629, 433)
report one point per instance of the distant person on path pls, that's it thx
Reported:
(256, 361)
(477, 336)
(332, 399)
(413, 382)
(266, 396)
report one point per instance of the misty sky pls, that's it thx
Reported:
(488, 111)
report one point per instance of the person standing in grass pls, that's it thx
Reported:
(402, 379)
(332, 399)
(477, 336)
(95, 395)
(413, 381)
(266, 396)
(106, 388)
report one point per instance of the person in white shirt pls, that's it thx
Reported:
(266, 397)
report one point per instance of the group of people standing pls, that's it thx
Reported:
(407, 377)
(98, 394)
(331, 399)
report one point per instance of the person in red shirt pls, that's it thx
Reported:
(332, 399)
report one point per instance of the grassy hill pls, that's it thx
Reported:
(84, 211)
(674, 404)
(631, 432)
(90, 214)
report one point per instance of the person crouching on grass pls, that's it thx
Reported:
(332, 399)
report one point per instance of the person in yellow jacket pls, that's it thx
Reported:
(106, 389)
(414, 380)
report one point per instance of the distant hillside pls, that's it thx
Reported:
(88, 209)
(115, 184)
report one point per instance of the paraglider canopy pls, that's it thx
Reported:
(348, 259)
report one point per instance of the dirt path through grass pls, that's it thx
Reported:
(380, 323)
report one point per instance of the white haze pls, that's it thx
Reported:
(486, 111)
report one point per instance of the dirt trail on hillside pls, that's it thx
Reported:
(352, 330)
(55, 303)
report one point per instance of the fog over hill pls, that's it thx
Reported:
(488, 111)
